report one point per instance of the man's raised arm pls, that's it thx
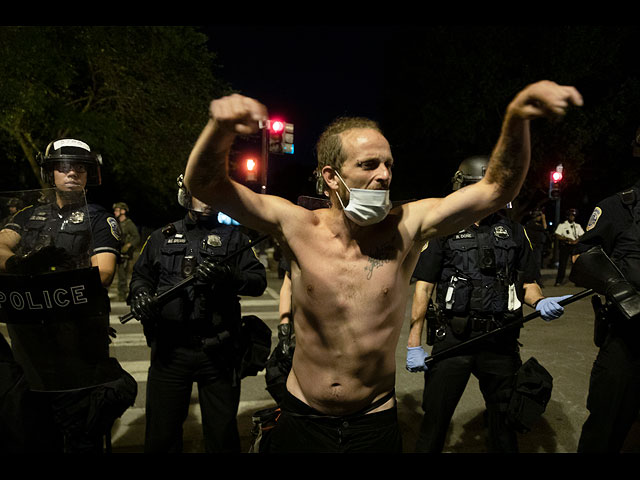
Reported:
(507, 167)
(206, 175)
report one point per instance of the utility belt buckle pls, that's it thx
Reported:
(480, 324)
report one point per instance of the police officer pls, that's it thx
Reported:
(13, 205)
(568, 233)
(130, 246)
(482, 273)
(65, 233)
(614, 388)
(537, 232)
(194, 337)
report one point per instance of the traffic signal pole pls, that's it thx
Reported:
(265, 160)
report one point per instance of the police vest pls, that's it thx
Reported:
(626, 253)
(68, 227)
(479, 270)
(206, 308)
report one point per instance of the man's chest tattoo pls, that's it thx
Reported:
(378, 257)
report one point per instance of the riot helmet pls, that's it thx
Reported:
(15, 203)
(186, 200)
(69, 153)
(471, 170)
(121, 206)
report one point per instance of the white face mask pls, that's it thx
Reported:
(365, 207)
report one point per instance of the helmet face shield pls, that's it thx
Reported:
(68, 155)
(186, 200)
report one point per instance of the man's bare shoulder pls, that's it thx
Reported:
(414, 215)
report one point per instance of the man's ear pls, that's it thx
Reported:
(330, 177)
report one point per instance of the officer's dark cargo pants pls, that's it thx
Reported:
(169, 387)
(614, 394)
(445, 382)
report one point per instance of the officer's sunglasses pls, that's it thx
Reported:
(66, 167)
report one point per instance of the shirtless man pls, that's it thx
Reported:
(350, 267)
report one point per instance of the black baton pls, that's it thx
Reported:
(531, 316)
(166, 296)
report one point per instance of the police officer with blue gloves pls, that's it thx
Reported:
(483, 274)
(195, 336)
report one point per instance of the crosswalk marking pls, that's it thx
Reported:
(263, 314)
(139, 369)
(128, 430)
(246, 303)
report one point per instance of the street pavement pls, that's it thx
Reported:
(564, 347)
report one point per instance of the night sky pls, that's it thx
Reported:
(306, 75)
(310, 74)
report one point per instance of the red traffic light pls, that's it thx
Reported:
(277, 126)
(556, 176)
(251, 167)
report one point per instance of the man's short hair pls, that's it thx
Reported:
(329, 147)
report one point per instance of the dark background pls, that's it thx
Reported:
(308, 76)
(440, 93)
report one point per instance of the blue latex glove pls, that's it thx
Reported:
(415, 359)
(549, 307)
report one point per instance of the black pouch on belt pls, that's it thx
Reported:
(531, 393)
(460, 326)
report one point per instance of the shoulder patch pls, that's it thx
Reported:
(114, 226)
(594, 218)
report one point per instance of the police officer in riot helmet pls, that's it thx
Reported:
(68, 165)
(62, 232)
(195, 336)
(13, 205)
(481, 276)
(607, 259)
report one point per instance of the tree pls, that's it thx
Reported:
(137, 95)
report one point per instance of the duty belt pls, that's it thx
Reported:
(479, 324)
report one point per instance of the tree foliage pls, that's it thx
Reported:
(137, 95)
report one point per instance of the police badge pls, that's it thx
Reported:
(214, 241)
(500, 232)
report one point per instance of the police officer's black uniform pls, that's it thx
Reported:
(82, 231)
(474, 270)
(614, 388)
(195, 336)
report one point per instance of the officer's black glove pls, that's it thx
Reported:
(144, 307)
(284, 338)
(112, 333)
(210, 273)
(39, 261)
